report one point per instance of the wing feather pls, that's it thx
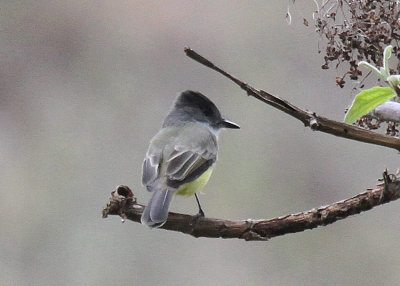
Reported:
(151, 168)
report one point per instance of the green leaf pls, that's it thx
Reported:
(367, 100)
(371, 67)
(386, 55)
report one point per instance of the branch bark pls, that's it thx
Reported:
(124, 204)
(310, 119)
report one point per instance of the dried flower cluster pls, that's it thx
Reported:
(373, 123)
(356, 31)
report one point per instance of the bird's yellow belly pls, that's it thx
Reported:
(192, 187)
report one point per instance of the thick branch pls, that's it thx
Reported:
(310, 119)
(124, 203)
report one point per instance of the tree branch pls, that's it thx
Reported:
(311, 119)
(124, 204)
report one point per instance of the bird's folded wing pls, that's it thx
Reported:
(185, 165)
(186, 158)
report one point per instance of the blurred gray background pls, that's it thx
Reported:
(84, 85)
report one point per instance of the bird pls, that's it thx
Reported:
(181, 156)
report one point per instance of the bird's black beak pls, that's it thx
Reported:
(225, 123)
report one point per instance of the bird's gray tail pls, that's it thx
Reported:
(156, 212)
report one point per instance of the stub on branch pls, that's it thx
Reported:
(123, 202)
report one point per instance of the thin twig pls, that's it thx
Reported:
(314, 121)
